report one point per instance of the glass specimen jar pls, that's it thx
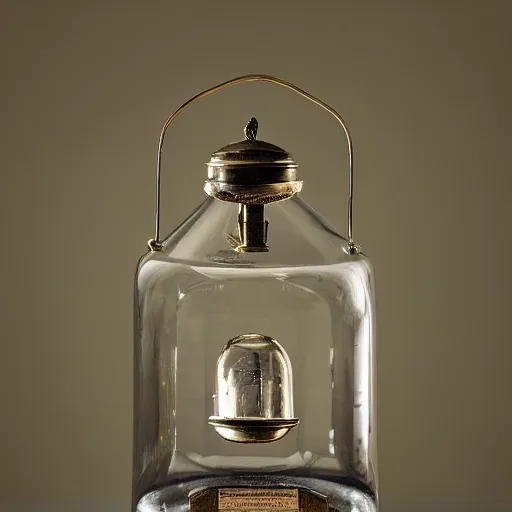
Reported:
(254, 348)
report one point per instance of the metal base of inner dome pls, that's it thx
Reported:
(252, 430)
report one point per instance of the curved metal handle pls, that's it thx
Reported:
(155, 243)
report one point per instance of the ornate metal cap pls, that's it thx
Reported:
(252, 171)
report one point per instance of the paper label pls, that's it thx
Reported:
(258, 500)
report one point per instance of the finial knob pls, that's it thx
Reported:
(251, 129)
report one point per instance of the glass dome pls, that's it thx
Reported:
(305, 291)
(254, 394)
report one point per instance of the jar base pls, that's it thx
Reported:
(323, 495)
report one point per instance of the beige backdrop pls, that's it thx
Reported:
(425, 87)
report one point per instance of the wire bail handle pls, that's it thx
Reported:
(155, 244)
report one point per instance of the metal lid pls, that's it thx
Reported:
(252, 171)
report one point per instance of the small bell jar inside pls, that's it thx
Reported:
(254, 345)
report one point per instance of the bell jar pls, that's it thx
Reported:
(254, 349)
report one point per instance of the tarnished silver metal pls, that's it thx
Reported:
(252, 194)
(252, 229)
(254, 391)
(251, 130)
(247, 430)
(274, 191)
(252, 171)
